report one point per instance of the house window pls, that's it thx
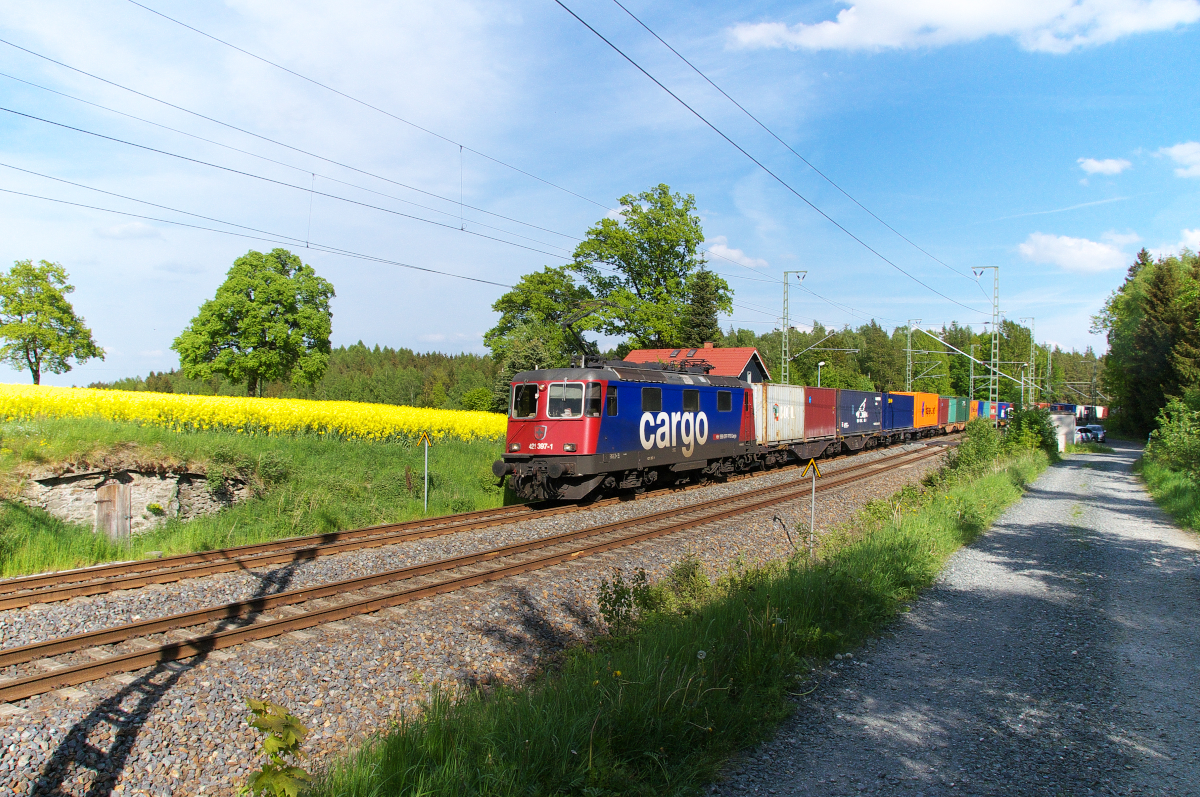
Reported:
(691, 353)
(674, 353)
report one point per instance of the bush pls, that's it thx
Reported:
(1031, 429)
(1175, 444)
(979, 447)
(479, 400)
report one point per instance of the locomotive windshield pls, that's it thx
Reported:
(566, 400)
(592, 405)
(525, 401)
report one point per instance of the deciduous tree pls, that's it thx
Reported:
(39, 326)
(643, 263)
(270, 320)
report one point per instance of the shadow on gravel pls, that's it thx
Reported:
(537, 631)
(119, 718)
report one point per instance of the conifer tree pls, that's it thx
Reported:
(706, 290)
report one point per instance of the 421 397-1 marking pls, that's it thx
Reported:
(670, 429)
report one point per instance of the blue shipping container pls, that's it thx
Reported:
(897, 411)
(859, 412)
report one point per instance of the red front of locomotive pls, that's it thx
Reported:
(555, 418)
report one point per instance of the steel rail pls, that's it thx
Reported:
(81, 673)
(224, 554)
(54, 647)
(64, 585)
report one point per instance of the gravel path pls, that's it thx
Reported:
(1056, 655)
(180, 728)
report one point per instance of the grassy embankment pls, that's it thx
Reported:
(1177, 492)
(304, 485)
(697, 670)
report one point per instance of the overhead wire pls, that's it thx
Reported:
(244, 131)
(789, 148)
(282, 183)
(328, 160)
(366, 104)
(273, 239)
(759, 163)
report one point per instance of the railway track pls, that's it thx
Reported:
(63, 585)
(381, 590)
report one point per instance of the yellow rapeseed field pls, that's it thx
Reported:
(348, 420)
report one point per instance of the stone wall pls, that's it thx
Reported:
(119, 502)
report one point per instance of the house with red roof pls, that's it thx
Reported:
(743, 362)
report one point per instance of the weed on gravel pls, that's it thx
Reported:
(1178, 492)
(302, 485)
(691, 671)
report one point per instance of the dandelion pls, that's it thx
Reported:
(596, 682)
(616, 674)
(700, 654)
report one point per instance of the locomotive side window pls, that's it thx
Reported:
(691, 400)
(724, 401)
(566, 400)
(524, 401)
(591, 402)
(612, 400)
(652, 399)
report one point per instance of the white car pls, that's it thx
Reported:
(1097, 432)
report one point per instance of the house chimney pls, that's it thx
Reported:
(708, 344)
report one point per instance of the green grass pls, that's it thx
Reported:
(705, 671)
(1176, 492)
(1089, 448)
(304, 485)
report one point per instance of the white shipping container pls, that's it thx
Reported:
(778, 413)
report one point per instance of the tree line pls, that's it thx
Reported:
(1154, 339)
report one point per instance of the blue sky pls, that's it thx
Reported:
(1051, 139)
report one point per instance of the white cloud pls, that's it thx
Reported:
(719, 246)
(1187, 156)
(1106, 166)
(1188, 239)
(134, 229)
(1055, 26)
(1078, 255)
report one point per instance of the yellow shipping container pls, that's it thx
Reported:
(925, 409)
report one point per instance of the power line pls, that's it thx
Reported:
(253, 134)
(319, 247)
(306, 171)
(230, 169)
(771, 132)
(367, 104)
(759, 163)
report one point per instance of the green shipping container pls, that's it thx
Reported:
(953, 407)
(963, 412)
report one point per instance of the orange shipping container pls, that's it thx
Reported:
(925, 409)
(972, 410)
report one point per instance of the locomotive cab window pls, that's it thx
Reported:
(724, 401)
(591, 399)
(566, 400)
(525, 401)
(691, 400)
(652, 399)
(611, 400)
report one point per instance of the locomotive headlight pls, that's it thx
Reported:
(515, 447)
(568, 446)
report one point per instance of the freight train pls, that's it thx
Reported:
(613, 426)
